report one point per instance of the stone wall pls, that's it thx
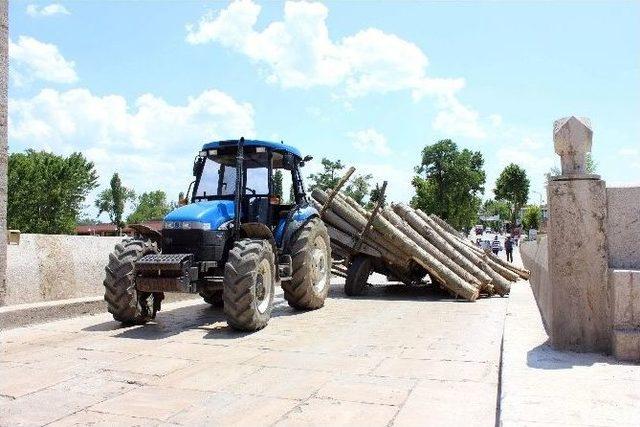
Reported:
(54, 267)
(535, 258)
(623, 227)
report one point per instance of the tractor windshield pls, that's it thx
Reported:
(218, 177)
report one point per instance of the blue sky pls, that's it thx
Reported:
(139, 86)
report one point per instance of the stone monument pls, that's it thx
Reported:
(578, 261)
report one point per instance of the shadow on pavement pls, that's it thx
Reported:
(545, 357)
(395, 291)
(172, 322)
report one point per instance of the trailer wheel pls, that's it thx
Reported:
(311, 261)
(213, 297)
(249, 284)
(123, 301)
(357, 276)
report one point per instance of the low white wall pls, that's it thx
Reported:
(623, 227)
(535, 258)
(52, 267)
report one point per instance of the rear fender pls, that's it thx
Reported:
(147, 233)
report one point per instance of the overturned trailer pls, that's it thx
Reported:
(406, 244)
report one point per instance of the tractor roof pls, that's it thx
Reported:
(255, 143)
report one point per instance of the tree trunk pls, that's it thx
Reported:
(410, 215)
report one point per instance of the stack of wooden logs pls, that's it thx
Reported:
(403, 235)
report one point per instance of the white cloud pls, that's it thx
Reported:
(150, 143)
(399, 188)
(370, 140)
(298, 52)
(49, 10)
(496, 120)
(32, 59)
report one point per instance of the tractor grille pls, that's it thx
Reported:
(205, 245)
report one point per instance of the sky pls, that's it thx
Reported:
(138, 87)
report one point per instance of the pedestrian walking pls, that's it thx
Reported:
(496, 246)
(508, 247)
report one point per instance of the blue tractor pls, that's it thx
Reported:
(232, 242)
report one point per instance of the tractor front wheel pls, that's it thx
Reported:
(311, 261)
(249, 284)
(123, 301)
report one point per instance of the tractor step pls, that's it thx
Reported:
(166, 273)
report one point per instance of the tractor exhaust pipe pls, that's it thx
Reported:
(239, 187)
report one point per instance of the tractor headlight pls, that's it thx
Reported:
(186, 225)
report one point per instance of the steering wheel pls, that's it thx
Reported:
(251, 189)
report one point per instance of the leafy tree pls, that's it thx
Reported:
(374, 196)
(151, 205)
(358, 188)
(532, 217)
(513, 186)
(113, 199)
(453, 180)
(501, 208)
(277, 184)
(329, 177)
(46, 191)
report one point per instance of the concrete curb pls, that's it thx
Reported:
(27, 314)
(19, 315)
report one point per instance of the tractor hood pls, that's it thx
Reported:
(212, 212)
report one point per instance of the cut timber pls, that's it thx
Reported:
(500, 284)
(397, 221)
(418, 224)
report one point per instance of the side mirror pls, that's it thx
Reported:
(305, 160)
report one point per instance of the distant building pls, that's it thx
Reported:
(108, 229)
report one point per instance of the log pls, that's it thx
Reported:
(406, 228)
(501, 285)
(373, 238)
(410, 215)
(444, 224)
(442, 273)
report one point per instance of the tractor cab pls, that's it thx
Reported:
(216, 171)
(232, 241)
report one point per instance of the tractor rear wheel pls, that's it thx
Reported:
(311, 261)
(213, 297)
(122, 299)
(249, 284)
(357, 276)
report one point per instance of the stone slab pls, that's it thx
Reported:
(626, 344)
(623, 227)
(625, 288)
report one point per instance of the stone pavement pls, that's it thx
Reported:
(399, 356)
(542, 386)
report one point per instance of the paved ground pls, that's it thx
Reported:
(542, 386)
(400, 356)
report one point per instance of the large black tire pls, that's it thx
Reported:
(357, 276)
(213, 297)
(311, 261)
(249, 284)
(120, 291)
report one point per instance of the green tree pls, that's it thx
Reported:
(374, 196)
(113, 199)
(329, 176)
(46, 191)
(453, 180)
(532, 217)
(513, 186)
(151, 205)
(358, 188)
(277, 184)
